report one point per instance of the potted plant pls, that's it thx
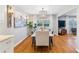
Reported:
(30, 26)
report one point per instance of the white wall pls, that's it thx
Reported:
(51, 22)
(77, 41)
(19, 33)
(67, 25)
(55, 24)
(78, 22)
(2, 21)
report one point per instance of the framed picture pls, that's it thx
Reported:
(19, 22)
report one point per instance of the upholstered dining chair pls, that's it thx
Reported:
(42, 38)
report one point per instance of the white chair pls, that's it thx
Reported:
(42, 38)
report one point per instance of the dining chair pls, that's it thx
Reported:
(42, 38)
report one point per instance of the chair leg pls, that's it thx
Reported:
(49, 48)
(51, 42)
(35, 49)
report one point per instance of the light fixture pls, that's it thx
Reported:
(43, 13)
(10, 9)
(9, 15)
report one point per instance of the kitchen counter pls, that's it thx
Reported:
(5, 37)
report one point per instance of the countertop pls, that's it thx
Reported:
(5, 37)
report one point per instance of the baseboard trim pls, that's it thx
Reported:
(21, 41)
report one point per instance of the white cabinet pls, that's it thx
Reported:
(6, 46)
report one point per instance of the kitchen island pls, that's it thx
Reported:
(6, 43)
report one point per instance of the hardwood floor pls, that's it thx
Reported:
(61, 44)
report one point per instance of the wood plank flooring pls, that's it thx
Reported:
(61, 44)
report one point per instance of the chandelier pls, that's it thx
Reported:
(43, 14)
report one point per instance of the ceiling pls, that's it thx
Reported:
(34, 9)
(72, 12)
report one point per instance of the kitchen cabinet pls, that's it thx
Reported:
(6, 43)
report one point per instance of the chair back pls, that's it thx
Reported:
(42, 38)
